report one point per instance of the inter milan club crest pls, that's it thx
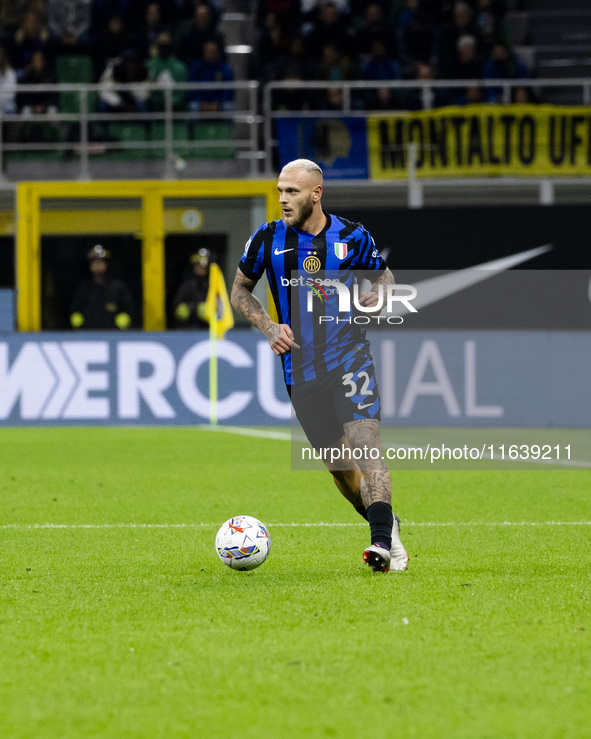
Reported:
(340, 250)
(312, 264)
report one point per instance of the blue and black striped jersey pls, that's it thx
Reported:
(340, 250)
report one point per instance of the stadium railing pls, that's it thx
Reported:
(242, 132)
(169, 135)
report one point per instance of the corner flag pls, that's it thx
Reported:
(216, 300)
(218, 311)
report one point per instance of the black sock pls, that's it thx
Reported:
(361, 511)
(380, 519)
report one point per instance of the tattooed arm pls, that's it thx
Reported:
(279, 336)
(371, 298)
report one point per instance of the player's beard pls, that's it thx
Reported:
(306, 211)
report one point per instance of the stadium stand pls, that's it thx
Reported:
(300, 41)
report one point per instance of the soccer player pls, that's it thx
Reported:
(328, 367)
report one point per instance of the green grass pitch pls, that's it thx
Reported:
(120, 621)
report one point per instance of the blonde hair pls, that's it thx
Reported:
(306, 165)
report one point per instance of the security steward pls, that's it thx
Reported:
(101, 302)
(189, 299)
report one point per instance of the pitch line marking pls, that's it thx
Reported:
(320, 524)
(245, 431)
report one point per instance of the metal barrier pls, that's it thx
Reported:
(245, 130)
(85, 133)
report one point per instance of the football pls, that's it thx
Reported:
(243, 543)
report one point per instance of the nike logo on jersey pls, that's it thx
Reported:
(282, 251)
(365, 405)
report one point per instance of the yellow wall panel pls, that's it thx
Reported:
(151, 223)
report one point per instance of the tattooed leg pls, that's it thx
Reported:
(376, 493)
(365, 434)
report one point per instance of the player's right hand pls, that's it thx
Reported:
(280, 338)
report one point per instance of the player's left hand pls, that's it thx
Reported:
(368, 299)
(280, 337)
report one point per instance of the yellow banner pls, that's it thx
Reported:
(482, 140)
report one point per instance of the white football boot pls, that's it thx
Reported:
(398, 556)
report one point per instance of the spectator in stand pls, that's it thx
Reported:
(212, 68)
(417, 42)
(310, 7)
(104, 10)
(31, 104)
(330, 27)
(502, 64)
(11, 15)
(166, 69)
(426, 98)
(335, 99)
(376, 28)
(524, 96)
(462, 24)
(287, 11)
(272, 42)
(39, 7)
(381, 66)
(489, 20)
(191, 37)
(298, 98)
(128, 70)
(334, 66)
(112, 42)
(183, 11)
(471, 96)
(69, 24)
(7, 80)
(294, 64)
(150, 29)
(406, 14)
(468, 65)
(36, 73)
(30, 36)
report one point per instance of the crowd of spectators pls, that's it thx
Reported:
(387, 40)
(142, 41)
(126, 41)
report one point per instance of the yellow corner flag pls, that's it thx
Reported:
(217, 297)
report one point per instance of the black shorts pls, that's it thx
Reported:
(348, 393)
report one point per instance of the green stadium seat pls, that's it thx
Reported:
(128, 132)
(180, 135)
(75, 69)
(213, 131)
(38, 132)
